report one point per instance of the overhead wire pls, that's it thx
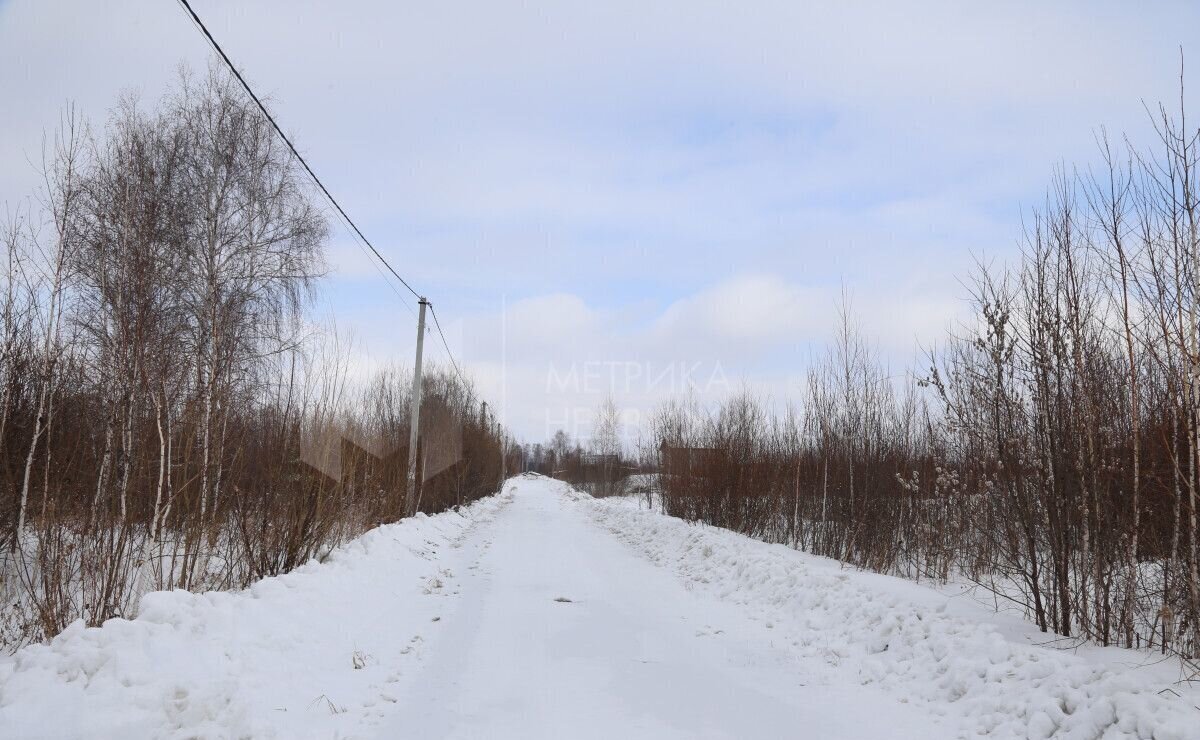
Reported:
(446, 344)
(341, 212)
(249, 91)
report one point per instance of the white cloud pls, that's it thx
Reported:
(653, 183)
(752, 310)
(552, 359)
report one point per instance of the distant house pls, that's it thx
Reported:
(595, 467)
(693, 460)
(600, 460)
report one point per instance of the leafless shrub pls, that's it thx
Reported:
(1049, 449)
(159, 392)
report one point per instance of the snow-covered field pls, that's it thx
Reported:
(543, 613)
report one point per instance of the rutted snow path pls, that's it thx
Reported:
(541, 613)
(561, 631)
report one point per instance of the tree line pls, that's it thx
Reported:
(1048, 449)
(171, 416)
(603, 468)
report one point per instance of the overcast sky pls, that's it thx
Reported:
(646, 195)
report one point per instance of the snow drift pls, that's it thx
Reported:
(306, 654)
(953, 655)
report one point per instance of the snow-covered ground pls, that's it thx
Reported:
(543, 613)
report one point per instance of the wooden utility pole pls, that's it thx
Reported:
(410, 491)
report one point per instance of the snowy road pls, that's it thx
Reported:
(561, 631)
(542, 613)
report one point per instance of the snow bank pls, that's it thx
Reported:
(334, 649)
(285, 658)
(953, 656)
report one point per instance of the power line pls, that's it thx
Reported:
(391, 285)
(341, 217)
(445, 344)
(195, 18)
(229, 63)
